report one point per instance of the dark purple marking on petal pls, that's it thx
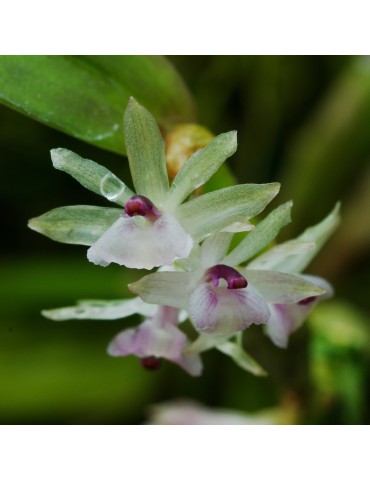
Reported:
(140, 205)
(307, 301)
(151, 363)
(232, 276)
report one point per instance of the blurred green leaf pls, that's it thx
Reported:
(85, 96)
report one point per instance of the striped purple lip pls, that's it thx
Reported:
(232, 276)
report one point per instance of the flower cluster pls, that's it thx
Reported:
(220, 290)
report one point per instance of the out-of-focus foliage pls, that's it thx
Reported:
(303, 121)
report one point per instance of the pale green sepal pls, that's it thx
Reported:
(205, 342)
(278, 287)
(201, 166)
(214, 249)
(241, 358)
(91, 175)
(276, 258)
(318, 234)
(164, 288)
(145, 150)
(264, 233)
(214, 211)
(76, 224)
(190, 263)
(100, 310)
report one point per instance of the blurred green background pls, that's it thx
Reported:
(303, 121)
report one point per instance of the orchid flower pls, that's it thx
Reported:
(155, 227)
(222, 299)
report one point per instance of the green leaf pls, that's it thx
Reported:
(201, 166)
(76, 224)
(145, 150)
(85, 96)
(264, 233)
(214, 211)
(91, 175)
(241, 358)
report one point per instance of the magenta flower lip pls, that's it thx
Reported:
(140, 205)
(233, 278)
(151, 363)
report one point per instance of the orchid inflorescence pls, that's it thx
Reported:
(221, 290)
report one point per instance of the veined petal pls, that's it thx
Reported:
(277, 287)
(76, 224)
(91, 175)
(214, 211)
(214, 249)
(260, 236)
(225, 311)
(138, 243)
(200, 167)
(159, 338)
(145, 150)
(277, 258)
(164, 288)
(100, 310)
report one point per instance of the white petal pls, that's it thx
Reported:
(222, 311)
(137, 243)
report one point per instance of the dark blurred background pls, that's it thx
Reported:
(303, 121)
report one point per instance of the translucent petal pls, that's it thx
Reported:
(77, 224)
(261, 236)
(164, 288)
(158, 337)
(201, 166)
(91, 175)
(277, 287)
(241, 358)
(224, 311)
(278, 258)
(100, 310)
(214, 211)
(145, 150)
(138, 243)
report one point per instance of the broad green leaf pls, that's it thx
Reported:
(201, 166)
(145, 150)
(278, 287)
(77, 224)
(91, 175)
(214, 211)
(241, 358)
(85, 97)
(100, 310)
(264, 233)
